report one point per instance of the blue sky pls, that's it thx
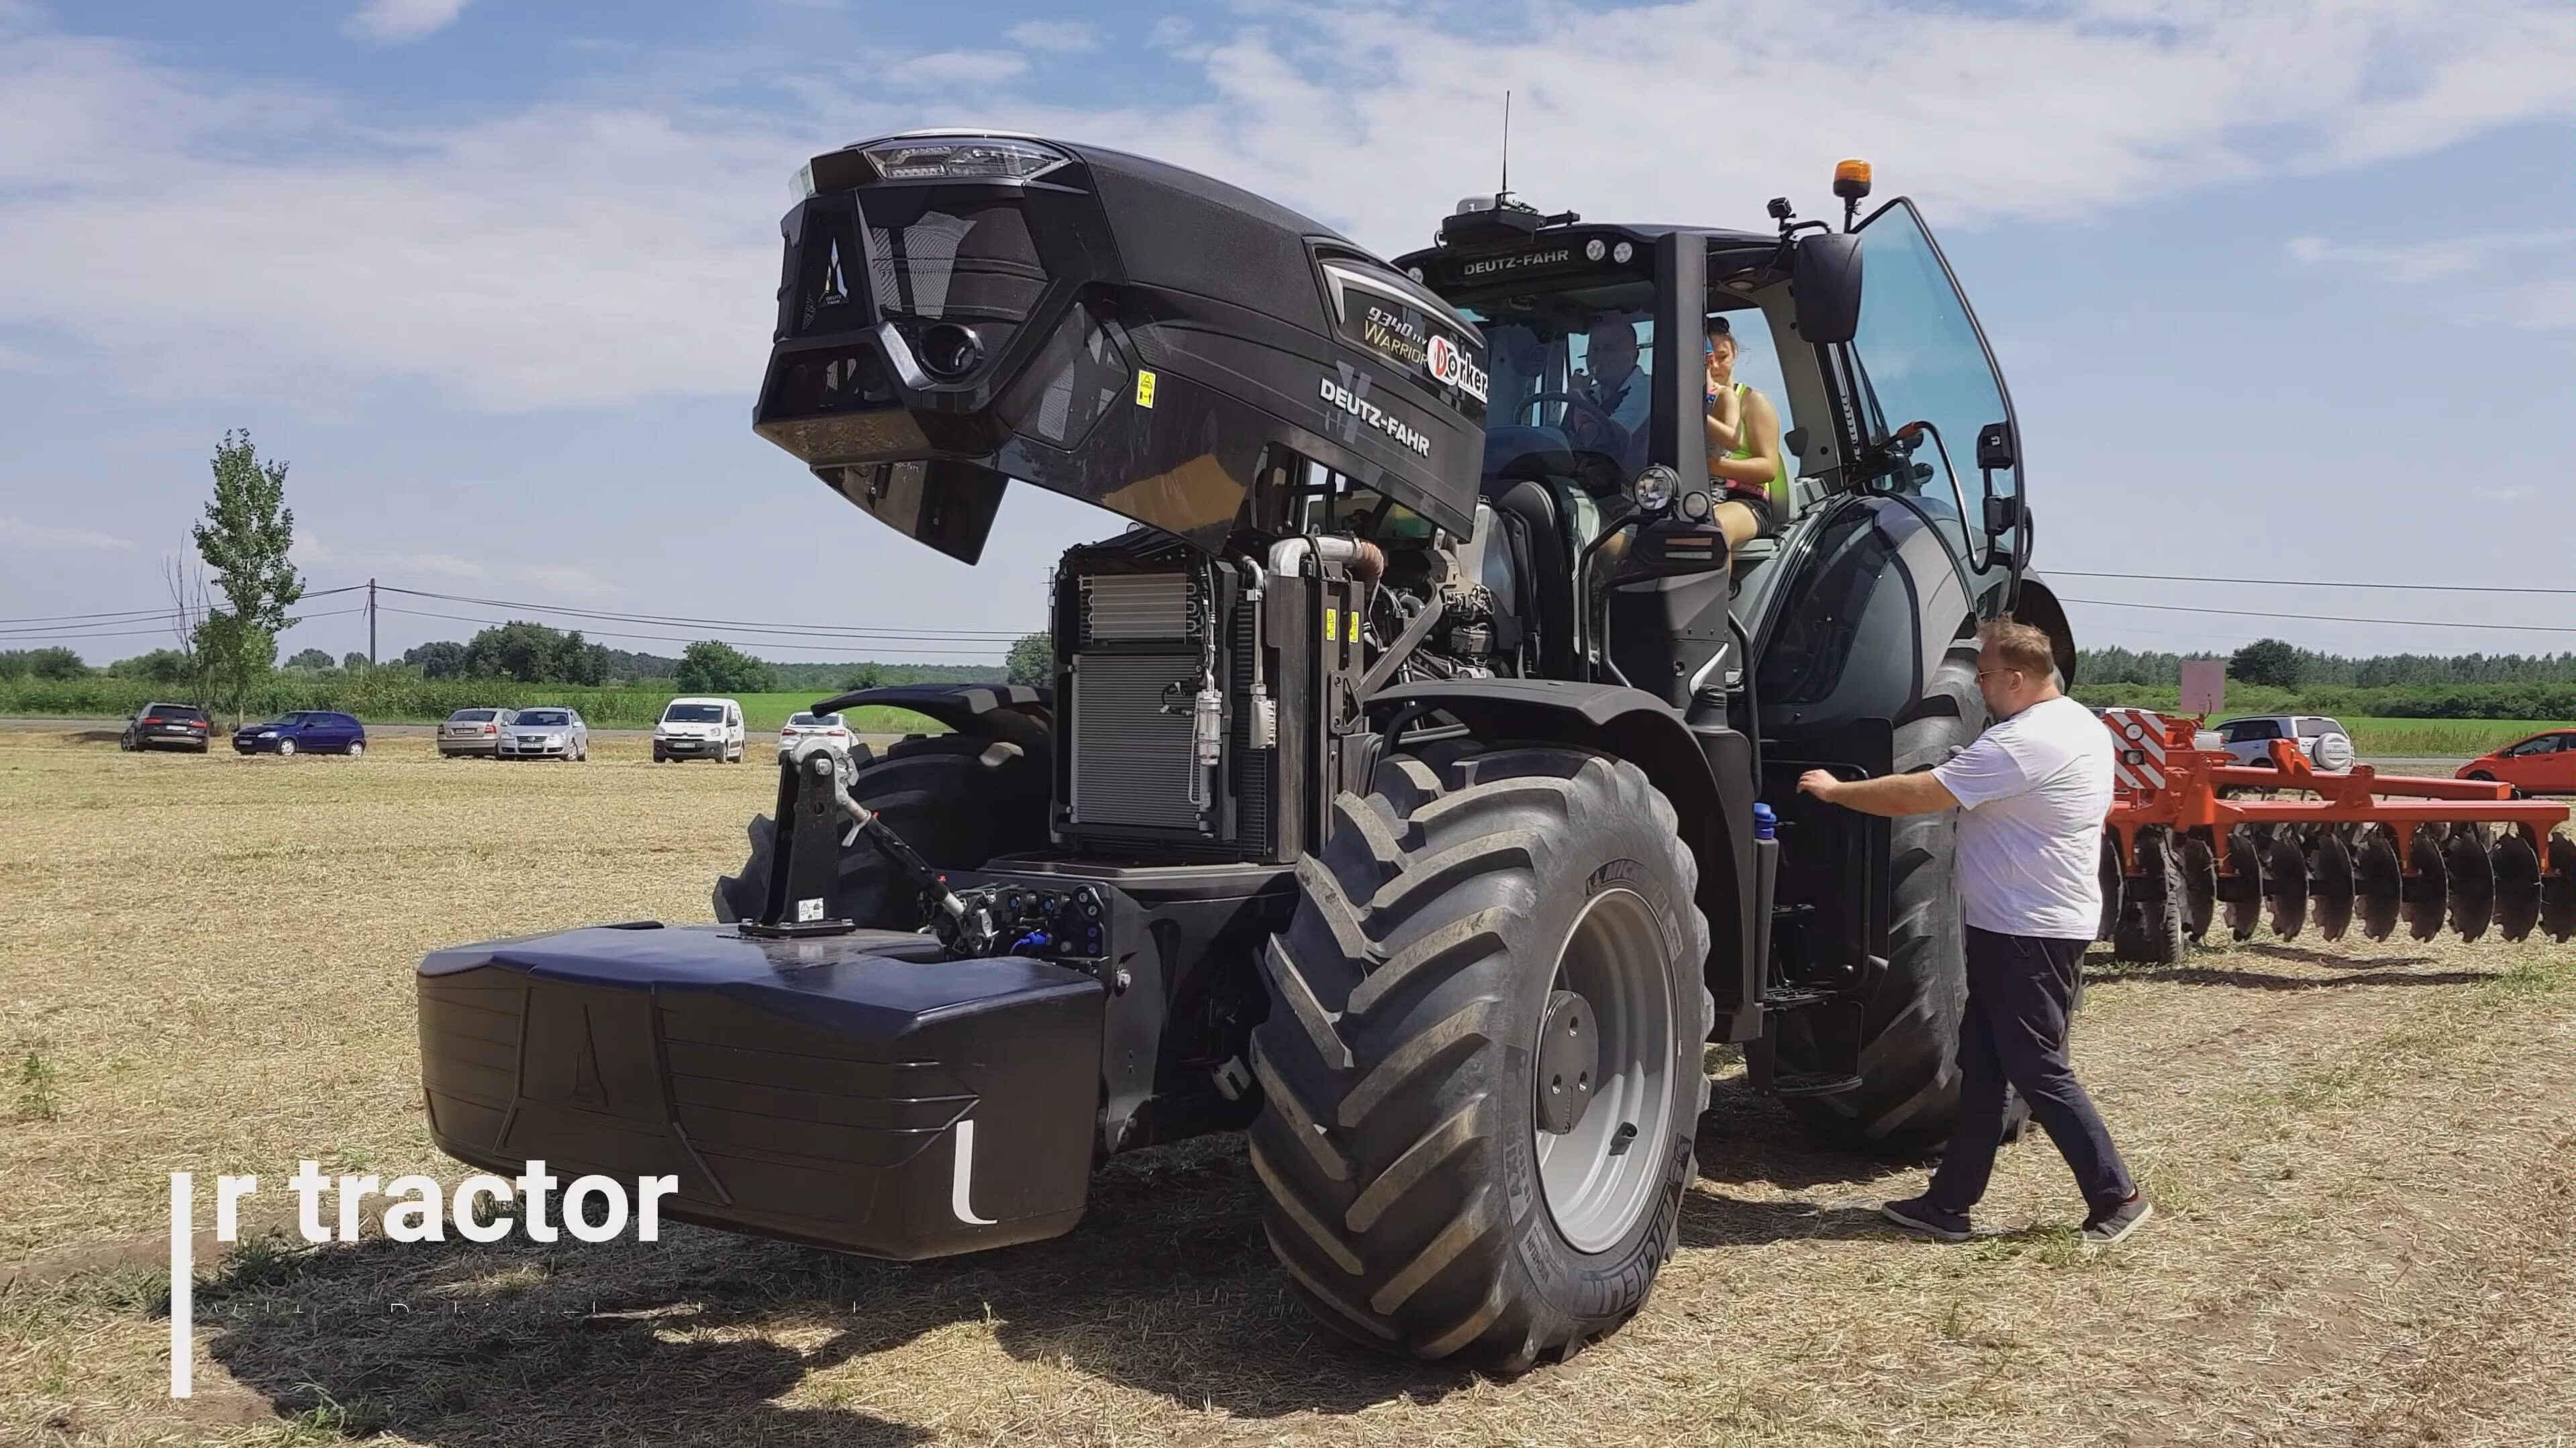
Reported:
(2282, 290)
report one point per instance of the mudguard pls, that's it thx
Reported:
(855, 1091)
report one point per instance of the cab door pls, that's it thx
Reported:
(1934, 410)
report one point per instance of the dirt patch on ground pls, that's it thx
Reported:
(2365, 1158)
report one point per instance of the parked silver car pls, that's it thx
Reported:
(473, 732)
(2322, 739)
(545, 734)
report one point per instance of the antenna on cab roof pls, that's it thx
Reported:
(1505, 192)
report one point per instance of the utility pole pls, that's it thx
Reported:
(371, 623)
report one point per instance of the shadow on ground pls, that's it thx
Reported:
(1167, 1287)
(2382, 973)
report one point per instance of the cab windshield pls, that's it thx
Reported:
(1572, 382)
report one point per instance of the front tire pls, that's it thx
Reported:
(1416, 1189)
(286, 749)
(957, 799)
(356, 750)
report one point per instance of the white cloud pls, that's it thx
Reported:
(2416, 262)
(566, 255)
(434, 565)
(957, 67)
(566, 578)
(20, 533)
(393, 22)
(1069, 36)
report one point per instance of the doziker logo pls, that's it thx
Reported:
(1450, 365)
(1371, 415)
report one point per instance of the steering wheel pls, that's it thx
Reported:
(1608, 426)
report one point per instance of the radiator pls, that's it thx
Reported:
(1131, 761)
(1124, 606)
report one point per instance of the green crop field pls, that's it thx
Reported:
(2436, 738)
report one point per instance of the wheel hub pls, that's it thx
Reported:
(1569, 1061)
(1609, 1035)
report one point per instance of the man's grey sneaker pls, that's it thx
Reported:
(1919, 1216)
(2114, 1224)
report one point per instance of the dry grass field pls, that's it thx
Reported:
(2365, 1158)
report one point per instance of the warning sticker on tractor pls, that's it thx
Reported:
(1144, 389)
(1332, 625)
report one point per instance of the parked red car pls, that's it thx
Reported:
(2542, 764)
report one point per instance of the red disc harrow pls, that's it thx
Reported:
(2193, 837)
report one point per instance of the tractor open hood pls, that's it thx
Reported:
(957, 310)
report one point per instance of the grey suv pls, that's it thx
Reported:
(2322, 739)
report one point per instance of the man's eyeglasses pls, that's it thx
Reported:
(1985, 674)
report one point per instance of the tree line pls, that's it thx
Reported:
(2278, 664)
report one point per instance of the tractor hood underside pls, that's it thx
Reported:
(955, 312)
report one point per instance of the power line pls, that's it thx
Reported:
(129, 614)
(818, 630)
(2329, 617)
(2308, 583)
(35, 636)
(938, 646)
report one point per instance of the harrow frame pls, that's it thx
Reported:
(2180, 840)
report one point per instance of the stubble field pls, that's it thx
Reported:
(2364, 1156)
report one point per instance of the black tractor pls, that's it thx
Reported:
(1415, 789)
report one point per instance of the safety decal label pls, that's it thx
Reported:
(1144, 389)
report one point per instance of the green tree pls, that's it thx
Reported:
(532, 653)
(1032, 660)
(353, 661)
(160, 666)
(244, 540)
(56, 663)
(865, 676)
(2266, 661)
(309, 659)
(440, 659)
(712, 667)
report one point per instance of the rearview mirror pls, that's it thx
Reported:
(1824, 277)
(1995, 450)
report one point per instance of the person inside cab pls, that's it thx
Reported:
(1744, 461)
(1614, 397)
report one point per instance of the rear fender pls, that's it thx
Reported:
(1012, 713)
(2036, 604)
(1706, 771)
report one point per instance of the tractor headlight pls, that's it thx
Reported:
(1654, 488)
(1695, 506)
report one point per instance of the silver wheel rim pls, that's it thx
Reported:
(1614, 958)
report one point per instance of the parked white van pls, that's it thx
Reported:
(695, 728)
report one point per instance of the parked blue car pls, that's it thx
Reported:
(306, 731)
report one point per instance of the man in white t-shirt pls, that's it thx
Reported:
(2032, 791)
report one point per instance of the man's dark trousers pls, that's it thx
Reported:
(2020, 990)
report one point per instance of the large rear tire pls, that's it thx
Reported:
(1909, 1053)
(958, 799)
(1427, 1187)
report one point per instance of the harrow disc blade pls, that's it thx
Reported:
(2471, 897)
(2517, 886)
(2558, 890)
(2376, 881)
(2428, 888)
(2240, 890)
(2330, 884)
(2285, 887)
(2199, 888)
